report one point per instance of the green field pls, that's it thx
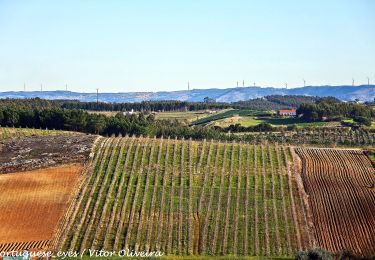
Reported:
(247, 118)
(187, 198)
(228, 113)
(182, 116)
(247, 121)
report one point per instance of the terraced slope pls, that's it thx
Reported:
(340, 185)
(188, 198)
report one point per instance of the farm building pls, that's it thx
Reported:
(287, 112)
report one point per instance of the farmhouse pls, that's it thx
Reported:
(131, 112)
(287, 112)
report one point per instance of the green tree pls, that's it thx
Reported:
(11, 117)
(96, 124)
(361, 120)
(1, 116)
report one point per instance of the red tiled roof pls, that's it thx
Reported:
(287, 111)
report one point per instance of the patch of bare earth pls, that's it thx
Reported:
(31, 204)
(37, 152)
(39, 176)
(340, 187)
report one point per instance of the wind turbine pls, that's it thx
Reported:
(286, 85)
(304, 82)
(97, 96)
(368, 81)
(243, 83)
(353, 82)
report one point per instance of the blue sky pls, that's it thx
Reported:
(120, 46)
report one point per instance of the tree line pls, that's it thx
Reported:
(275, 102)
(82, 121)
(329, 109)
(272, 102)
(140, 124)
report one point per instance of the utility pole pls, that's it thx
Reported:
(97, 97)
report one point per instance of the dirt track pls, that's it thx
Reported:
(32, 202)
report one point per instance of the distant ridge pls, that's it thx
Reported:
(346, 93)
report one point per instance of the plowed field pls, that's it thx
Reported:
(340, 185)
(32, 203)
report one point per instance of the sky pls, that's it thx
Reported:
(121, 46)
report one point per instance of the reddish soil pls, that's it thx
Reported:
(32, 203)
(340, 185)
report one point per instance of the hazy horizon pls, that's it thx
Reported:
(103, 91)
(120, 46)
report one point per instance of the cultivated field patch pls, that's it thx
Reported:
(340, 185)
(32, 203)
(189, 198)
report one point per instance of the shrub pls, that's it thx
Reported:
(315, 254)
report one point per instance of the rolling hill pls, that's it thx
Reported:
(346, 93)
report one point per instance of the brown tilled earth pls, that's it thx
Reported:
(43, 151)
(340, 185)
(32, 202)
(42, 176)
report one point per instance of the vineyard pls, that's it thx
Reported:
(184, 197)
(340, 185)
(9, 132)
(316, 136)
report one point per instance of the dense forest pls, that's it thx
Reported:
(267, 103)
(275, 102)
(329, 109)
(145, 106)
(30, 103)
